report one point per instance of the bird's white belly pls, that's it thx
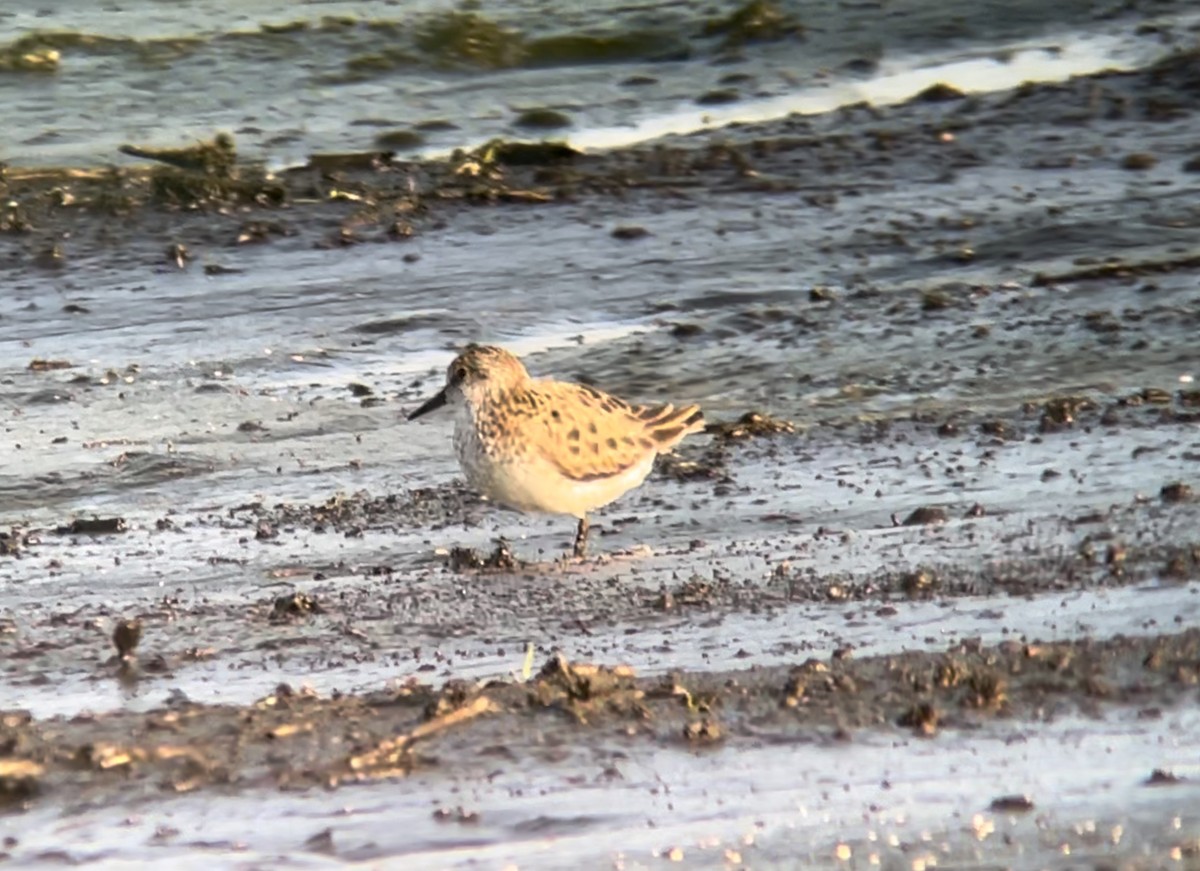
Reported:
(529, 483)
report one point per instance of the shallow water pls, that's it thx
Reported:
(290, 81)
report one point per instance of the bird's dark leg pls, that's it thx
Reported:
(581, 535)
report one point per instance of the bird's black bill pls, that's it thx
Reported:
(432, 404)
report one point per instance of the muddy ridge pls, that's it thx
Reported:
(295, 739)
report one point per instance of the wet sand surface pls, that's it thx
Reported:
(936, 603)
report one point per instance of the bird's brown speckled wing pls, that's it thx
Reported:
(588, 434)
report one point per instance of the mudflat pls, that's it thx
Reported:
(926, 592)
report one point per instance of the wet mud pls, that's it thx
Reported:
(937, 552)
(297, 739)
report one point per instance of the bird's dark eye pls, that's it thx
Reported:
(458, 374)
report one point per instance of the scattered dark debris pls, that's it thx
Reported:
(1139, 160)
(1148, 396)
(342, 237)
(178, 254)
(936, 299)
(436, 125)
(584, 690)
(399, 140)
(456, 815)
(922, 718)
(14, 541)
(93, 526)
(321, 842)
(178, 189)
(1183, 564)
(510, 153)
(709, 467)
(20, 780)
(686, 331)
(39, 365)
(287, 608)
(360, 511)
(1162, 777)
(542, 119)
(999, 429)
(986, 690)
(501, 559)
(1176, 492)
(695, 592)
(796, 688)
(919, 584)
(703, 732)
(1119, 269)
(1061, 412)
(333, 162)
(30, 54)
(939, 92)
(454, 695)
(1101, 322)
(126, 636)
(1012, 804)
(926, 515)
(252, 232)
(50, 396)
(718, 97)
(752, 424)
(835, 592)
(629, 232)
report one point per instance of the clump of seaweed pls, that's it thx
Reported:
(460, 38)
(755, 21)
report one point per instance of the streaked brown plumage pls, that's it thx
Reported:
(551, 446)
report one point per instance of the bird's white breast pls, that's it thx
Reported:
(527, 482)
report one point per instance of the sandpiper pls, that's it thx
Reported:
(551, 446)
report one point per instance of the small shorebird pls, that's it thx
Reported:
(551, 446)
